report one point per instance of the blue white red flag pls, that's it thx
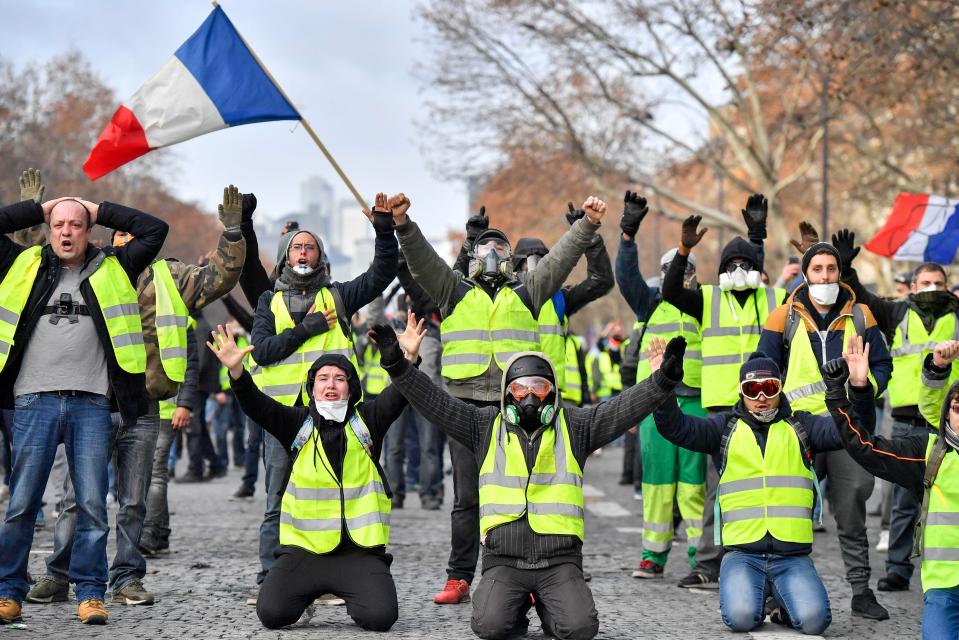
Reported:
(212, 82)
(921, 228)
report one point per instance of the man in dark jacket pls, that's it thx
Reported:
(73, 348)
(767, 534)
(530, 451)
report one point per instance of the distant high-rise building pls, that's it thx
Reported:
(316, 196)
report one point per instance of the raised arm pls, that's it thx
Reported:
(630, 280)
(148, 235)
(363, 289)
(599, 278)
(254, 279)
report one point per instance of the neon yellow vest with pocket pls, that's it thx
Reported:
(768, 490)
(375, 377)
(316, 502)
(910, 344)
(730, 335)
(480, 331)
(573, 389)
(286, 379)
(609, 372)
(552, 339)
(172, 320)
(121, 312)
(665, 323)
(940, 538)
(551, 495)
(14, 292)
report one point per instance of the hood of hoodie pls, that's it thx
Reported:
(737, 248)
(356, 389)
(283, 250)
(526, 247)
(502, 383)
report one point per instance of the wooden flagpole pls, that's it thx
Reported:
(304, 122)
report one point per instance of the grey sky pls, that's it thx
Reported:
(347, 66)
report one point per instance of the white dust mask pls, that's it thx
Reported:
(334, 410)
(824, 294)
(303, 269)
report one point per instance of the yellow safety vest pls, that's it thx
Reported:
(316, 502)
(573, 389)
(910, 344)
(552, 338)
(765, 491)
(167, 407)
(286, 379)
(610, 380)
(551, 495)
(665, 323)
(730, 334)
(481, 330)
(940, 538)
(375, 377)
(14, 292)
(172, 320)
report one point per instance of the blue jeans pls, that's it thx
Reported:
(223, 419)
(940, 616)
(746, 579)
(278, 464)
(134, 447)
(253, 455)
(41, 421)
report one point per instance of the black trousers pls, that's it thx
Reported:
(464, 519)
(564, 603)
(298, 577)
(198, 443)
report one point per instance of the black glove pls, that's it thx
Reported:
(634, 210)
(382, 221)
(845, 243)
(672, 366)
(754, 215)
(249, 206)
(691, 234)
(573, 214)
(385, 339)
(477, 224)
(835, 373)
(314, 324)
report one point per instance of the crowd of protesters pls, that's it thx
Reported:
(743, 407)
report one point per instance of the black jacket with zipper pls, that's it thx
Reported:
(129, 395)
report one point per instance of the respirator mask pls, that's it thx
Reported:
(740, 275)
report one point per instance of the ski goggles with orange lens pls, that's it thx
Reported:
(522, 387)
(769, 387)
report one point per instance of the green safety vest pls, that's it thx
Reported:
(286, 379)
(665, 323)
(573, 389)
(481, 330)
(172, 320)
(115, 295)
(167, 407)
(730, 334)
(551, 495)
(316, 502)
(610, 380)
(910, 344)
(375, 377)
(771, 492)
(940, 537)
(242, 343)
(552, 338)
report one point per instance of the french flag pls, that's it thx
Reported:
(212, 82)
(921, 228)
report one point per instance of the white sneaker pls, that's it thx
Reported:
(883, 544)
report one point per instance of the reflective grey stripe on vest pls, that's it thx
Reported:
(463, 335)
(334, 524)
(493, 509)
(571, 387)
(464, 358)
(118, 310)
(942, 554)
(719, 332)
(4, 347)
(172, 321)
(555, 509)
(127, 339)
(754, 513)
(172, 352)
(694, 354)
(551, 329)
(278, 390)
(735, 358)
(308, 493)
(354, 493)
(772, 482)
(943, 517)
(911, 349)
(294, 358)
(312, 356)
(806, 390)
(9, 316)
(696, 523)
(514, 334)
(666, 327)
(771, 303)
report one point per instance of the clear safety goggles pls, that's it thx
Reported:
(498, 246)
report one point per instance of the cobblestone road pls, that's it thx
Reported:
(202, 586)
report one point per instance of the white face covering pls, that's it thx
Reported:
(765, 416)
(334, 410)
(740, 280)
(303, 269)
(824, 294)
(931, 287)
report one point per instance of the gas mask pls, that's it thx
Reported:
(491, 261)
(530, 402)
(824, 294)
(739, 276)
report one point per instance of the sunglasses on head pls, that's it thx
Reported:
(522, 387)
(769, 387)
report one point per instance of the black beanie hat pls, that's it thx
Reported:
(817, 249)
(531, 365)
(759, 366)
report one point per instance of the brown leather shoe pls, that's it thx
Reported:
(9, 610)
(92, 611)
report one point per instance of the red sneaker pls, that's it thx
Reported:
(455, 592)
(648, 569)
